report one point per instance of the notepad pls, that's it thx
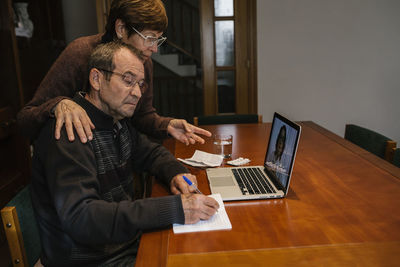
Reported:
(218, 221)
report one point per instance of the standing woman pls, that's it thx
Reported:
(139, 23)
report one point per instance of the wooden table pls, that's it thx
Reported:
(342, 209)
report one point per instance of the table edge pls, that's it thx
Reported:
(377, 161)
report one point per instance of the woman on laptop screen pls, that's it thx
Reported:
(279, 159)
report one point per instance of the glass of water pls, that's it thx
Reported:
(223, 145)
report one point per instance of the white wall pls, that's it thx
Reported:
(331, 61)
(80, 18)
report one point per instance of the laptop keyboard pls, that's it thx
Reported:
(252, 181)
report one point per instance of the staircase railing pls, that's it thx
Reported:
(175, 96)
(184, 27)
(178, 97)
(184, 51)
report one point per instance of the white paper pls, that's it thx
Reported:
(193, 163)
(218, 221)
(238, 161)
(204, 159)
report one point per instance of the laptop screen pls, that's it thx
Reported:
(281, 150)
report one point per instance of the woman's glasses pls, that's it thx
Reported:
(150, 40)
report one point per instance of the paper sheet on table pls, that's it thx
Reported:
(193, 163)
(203, 159)
(218, 221)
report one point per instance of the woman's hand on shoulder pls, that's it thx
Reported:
(73, 116)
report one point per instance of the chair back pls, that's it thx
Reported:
(396, 157)
(371, 141)
(21, 229)
(227, 119)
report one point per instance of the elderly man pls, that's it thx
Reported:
(83, 193)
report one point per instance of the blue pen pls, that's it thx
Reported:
(191, 184)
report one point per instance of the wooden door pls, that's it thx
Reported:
(229, 56)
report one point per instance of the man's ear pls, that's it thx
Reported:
(95, 79)
(119, 28)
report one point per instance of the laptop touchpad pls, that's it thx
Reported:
(222, 181)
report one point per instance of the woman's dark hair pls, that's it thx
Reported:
(141, 14)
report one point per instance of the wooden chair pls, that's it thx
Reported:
(21, 230)
(227, 119)
(371, 141)
(396, 157)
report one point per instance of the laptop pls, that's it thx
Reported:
(261, 182)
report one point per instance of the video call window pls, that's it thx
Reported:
(280, 151)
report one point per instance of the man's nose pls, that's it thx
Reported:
(136, 91)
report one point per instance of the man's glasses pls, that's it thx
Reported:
(150, 40)
(127, 78)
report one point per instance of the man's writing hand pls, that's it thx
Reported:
(198, 207)
(179, 186)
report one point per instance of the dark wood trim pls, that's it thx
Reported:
(208, 57)
(252, 52)
(223, 68)
(389, 150)
(224, 18)
(241, 57)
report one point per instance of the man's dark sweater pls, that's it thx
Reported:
(83, 193)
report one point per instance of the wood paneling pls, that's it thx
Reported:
(208, 56)
(242, 59)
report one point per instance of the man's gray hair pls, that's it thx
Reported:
(103, 55)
